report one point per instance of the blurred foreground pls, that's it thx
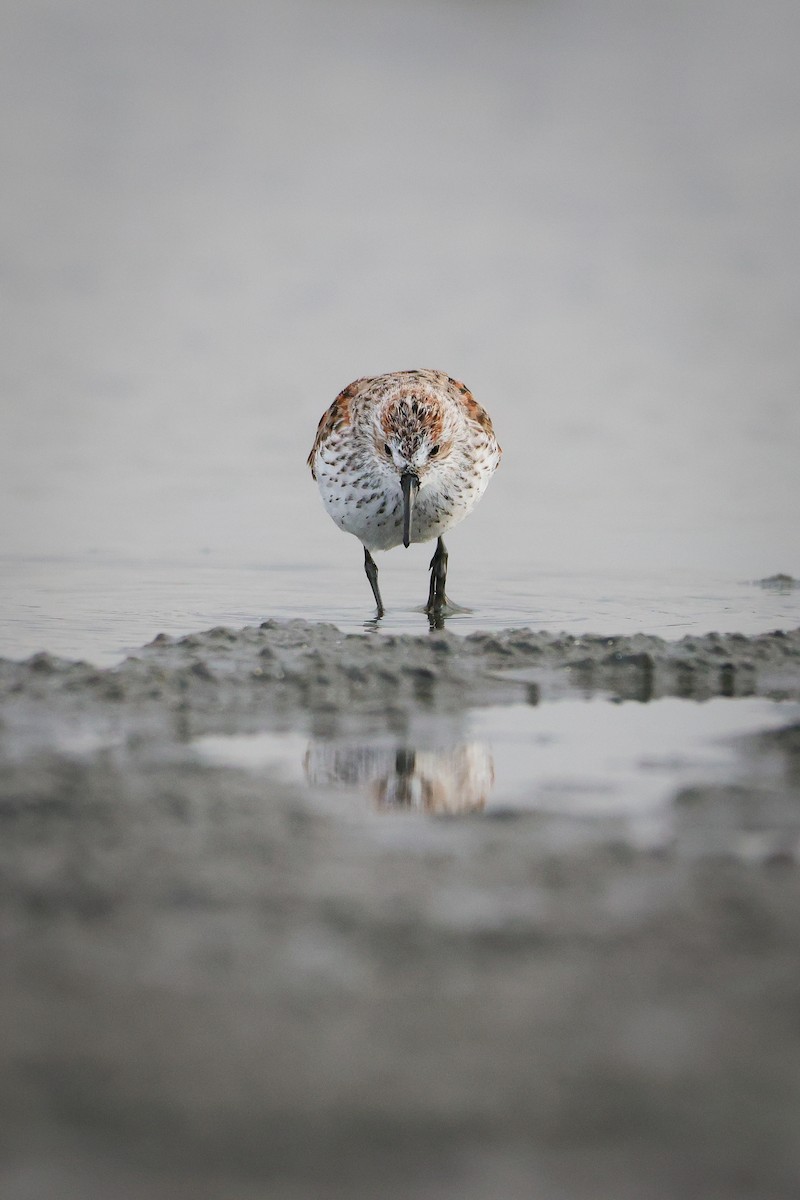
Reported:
(219, 983)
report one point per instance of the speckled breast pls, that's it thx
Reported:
(371, 508)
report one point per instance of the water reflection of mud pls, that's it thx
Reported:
(457, 779)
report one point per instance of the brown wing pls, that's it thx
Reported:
(474, 411)
(334, 417)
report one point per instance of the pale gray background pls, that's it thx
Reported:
(216, 215)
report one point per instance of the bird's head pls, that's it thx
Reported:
(411, 440)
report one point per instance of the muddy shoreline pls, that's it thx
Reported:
(217, 986)
(278, 667)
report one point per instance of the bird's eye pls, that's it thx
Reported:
(387, 450)
(434, 450)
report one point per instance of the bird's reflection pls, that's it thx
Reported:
(456, 779)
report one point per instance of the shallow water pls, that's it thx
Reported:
(590, 770)
(99, 609)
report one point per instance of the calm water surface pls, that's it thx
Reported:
(587, 769)
(100, 610)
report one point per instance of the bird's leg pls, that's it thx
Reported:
(372, 576)
(438, 568)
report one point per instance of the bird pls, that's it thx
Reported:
(402, 458)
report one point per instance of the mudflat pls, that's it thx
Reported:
(221, 983)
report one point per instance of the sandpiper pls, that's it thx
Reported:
(402, 458)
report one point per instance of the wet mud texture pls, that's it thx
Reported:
(214, 985)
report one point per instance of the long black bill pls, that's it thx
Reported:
(408, 485)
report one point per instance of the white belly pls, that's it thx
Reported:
(373, 512)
